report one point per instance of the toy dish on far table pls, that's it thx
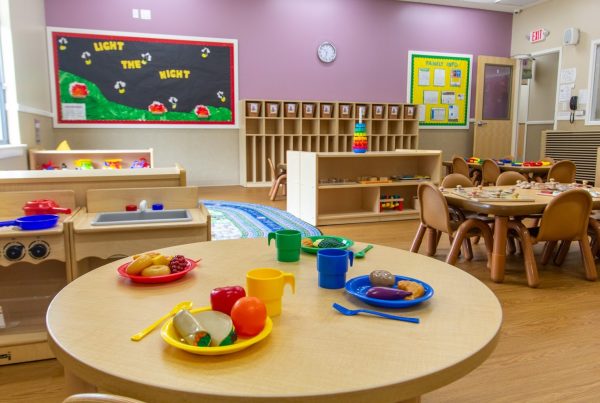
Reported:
(170, 335)
(346, 243)
(358, 287)
(156, 279)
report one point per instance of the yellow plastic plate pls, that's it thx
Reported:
(170, 335)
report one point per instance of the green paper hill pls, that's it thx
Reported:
(99, 108)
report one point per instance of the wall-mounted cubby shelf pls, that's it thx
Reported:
(270, 128)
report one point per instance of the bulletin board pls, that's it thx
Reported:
(441, 84)
(108, 79)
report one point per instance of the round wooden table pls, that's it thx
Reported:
(314, 353)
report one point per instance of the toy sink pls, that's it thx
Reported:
(141, 217)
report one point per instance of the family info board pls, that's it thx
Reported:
(441, 84)
(127, 79)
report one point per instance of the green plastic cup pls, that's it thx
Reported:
(288, 243)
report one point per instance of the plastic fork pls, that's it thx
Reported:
(352, 312)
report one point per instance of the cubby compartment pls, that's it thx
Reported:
(273, 109)
(310, 126)
(253, 108)
(346, 126)
(272, 126)
(394, 127)
(291, 126)
(250, 155)
(393, 112)
(327, 126)
(345, 111)
(379, 127)
(411, 127)
(362, 110)
(326, 110)
(254, 125)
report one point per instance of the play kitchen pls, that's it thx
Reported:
(124, 222)
(33, 268)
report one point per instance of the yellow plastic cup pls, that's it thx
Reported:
(267, 285)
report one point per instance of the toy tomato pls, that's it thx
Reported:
(223, 298)
(249, 315)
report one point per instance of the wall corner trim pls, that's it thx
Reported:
(34, 111)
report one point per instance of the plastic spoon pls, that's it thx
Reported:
(361, 254)
(182, 305)
(351, 312)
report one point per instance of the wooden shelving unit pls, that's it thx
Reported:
(319, 203)
(68, 157)
(270, 128)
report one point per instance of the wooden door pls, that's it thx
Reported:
(494, 107)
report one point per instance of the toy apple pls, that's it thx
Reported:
(223, 298)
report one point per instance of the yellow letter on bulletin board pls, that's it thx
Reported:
(441, 84)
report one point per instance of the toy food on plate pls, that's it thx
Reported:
(415, 288)
(382, 278)
(322, 243)
(223, 298)
(190, 330)
(156, 270)
(387, 293)
(155, 264)
(219, 326)
(249, 315)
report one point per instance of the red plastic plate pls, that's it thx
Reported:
(157, 279)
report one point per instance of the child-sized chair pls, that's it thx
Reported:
(564, 219)
(489, 172)
(509, 178)
(279, 179)
(435, 218)
(562, 172)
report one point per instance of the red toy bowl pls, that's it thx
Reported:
(167, 278)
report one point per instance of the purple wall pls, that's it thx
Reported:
(278, 39)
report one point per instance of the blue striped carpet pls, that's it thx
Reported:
(233, 220)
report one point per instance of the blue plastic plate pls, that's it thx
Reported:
(358, 286)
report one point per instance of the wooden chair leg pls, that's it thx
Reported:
(416, 243)
(563, 250)
(548, 250)
(533, 279)
(457, 241)
(588, 260)
(510, 245)
(468, 249)
(432, 238)
(476, 240)
(276, 188)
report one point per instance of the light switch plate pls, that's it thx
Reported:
(145, 14)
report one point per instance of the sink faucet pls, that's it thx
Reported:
(143, 206)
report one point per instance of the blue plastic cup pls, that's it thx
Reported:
(332, 265)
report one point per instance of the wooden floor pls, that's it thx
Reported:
(549, 349)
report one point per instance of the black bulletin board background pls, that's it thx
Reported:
(210, 68)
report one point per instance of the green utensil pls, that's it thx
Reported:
(361, 254)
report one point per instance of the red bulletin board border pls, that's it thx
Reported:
(54, 33)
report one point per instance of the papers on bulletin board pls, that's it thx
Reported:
(438, 114)
(441, 83)
(448, 97)
(431, 97)
(439, 78)
(424, 77)
(568, 75)
(564, 92)
(452, 112)
(422, 110)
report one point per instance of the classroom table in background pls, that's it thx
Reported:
(314, 353)
(502, 211)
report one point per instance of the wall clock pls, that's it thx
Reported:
(326, 52)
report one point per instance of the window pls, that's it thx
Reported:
(593, 117)
(3, 125)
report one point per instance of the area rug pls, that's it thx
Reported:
(233, 220)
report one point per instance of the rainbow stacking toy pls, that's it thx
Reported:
(360, 138)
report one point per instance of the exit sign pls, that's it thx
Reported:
(538, 35)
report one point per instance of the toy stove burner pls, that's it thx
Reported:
(14, 251)
(39, 249)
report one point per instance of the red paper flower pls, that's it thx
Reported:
(202, 111)
(78, 90)
(157, 108)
